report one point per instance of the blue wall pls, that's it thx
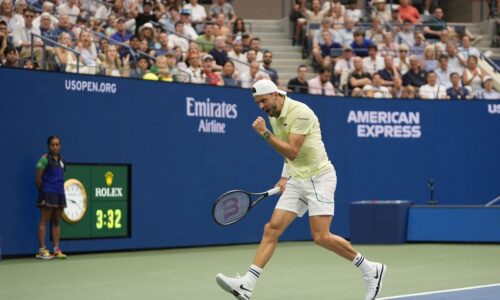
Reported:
(178, 171)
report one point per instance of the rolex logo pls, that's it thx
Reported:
(109, 178)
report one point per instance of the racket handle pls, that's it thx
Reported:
(273, 191)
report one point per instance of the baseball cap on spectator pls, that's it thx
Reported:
(146, 26)
(186, 12)
(264, 87)
(486, 78)
(347, 48)
(120, 19)
(207, 57)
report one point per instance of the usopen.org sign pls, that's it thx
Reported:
(494, 108)
(211, 113)
(386, 124)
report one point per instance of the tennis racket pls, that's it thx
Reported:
(232, 206)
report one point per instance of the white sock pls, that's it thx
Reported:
(363, 264)
(251, 276)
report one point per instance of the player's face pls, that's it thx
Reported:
(55, 146)
(269, 104)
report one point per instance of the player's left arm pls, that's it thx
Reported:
(289, 149)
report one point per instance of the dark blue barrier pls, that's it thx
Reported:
(183, 157)
(454, 224)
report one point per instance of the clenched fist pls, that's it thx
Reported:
(259, 125)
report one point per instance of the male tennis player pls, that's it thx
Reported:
(307, 182)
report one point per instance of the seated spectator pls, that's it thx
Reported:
(389, 74)
(178, 39)
(382, 11)
(432, 90)
(321, 85)
(408, 12)
(148, 32)
(298, 20)
(121, 35)
(436, 26)
(327, 5)
(70, 8)
(22, 38)
(444, 39)
(218, 52)
(360, 44)
(253, 75)
(347, 33)
(358, 78)
(88, 53)
(273, 74)
(344, 64)
(165, 45)
(443, 72)
(419, 45)
(169, 20)
(222, 7)
(239, 28)
(388, 47)
(5, 39)
(213, 78)
(47, 7)
(352, 11)
(455, 62)
(66, 59)
(198, 14)
(112, 65)
(101, 51)
(398, 89)
(194, 72)
(429, 61)
(229, 76)
(141, 68)
(172, 69)
(376, 89)
(206, 41)
(337, 18)
(409, 92)
(467, 50)
(376, 32)
(299, 84)
(63, 26)
(407, 34)
(149, 13)
(224, 27)
(322, 52)
(316, 14)
(255, 45)
(416, 76)
(402, 62)
(11, 58)
(373, 62)
(325, 27)
(189, 30)
(473, 75)
(237, 57)
(456, 91)
(488, 92)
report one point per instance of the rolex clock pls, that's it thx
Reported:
(76, 201)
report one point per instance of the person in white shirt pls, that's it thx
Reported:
(46, 8)
(198, 12)
(455, 62)
(21, 38)
(189, 31)
(179, 39)
(376, 89)
(373, 63)
(443, 72)
(488, 92)
(347, 33)
(237, 57)
(432, 90)
(467, 50)
(352, 12)
(248, 79)
(69, 8)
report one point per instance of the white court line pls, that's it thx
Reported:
(442, 291)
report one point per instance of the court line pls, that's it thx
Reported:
(441, 291)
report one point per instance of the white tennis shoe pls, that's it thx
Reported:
(374, 280)
(235, 286)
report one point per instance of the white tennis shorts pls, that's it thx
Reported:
(315, 194)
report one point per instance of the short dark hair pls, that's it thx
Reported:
(178, 22)
(453, 74)
(443, 56)
(301, 66)
(52, 137)
(30, 10)
(323, 71)
(2, 22)
(8, 50)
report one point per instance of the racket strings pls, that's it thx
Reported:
(231, 207)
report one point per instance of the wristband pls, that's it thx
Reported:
(284, 172)
(266, 134)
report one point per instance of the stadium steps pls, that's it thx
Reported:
(275, 37)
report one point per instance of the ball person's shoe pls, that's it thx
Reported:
(43, 253)
(235, 286)
(58, 253)
(374, 280)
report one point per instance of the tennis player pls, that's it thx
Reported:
(307, 182)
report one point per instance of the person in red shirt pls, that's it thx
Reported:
(408, 12)
(213, 78)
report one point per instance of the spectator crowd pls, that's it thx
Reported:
(384, 50)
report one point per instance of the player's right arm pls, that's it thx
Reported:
(40, 167)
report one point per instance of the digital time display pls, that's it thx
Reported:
(98, 201)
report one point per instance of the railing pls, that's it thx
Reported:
(495, 67)
(52, 42)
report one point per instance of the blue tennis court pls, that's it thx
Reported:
(484, 292)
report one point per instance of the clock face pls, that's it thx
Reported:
(76, 201)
